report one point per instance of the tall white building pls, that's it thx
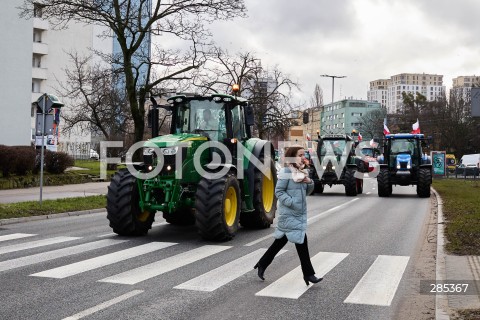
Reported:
(388, 92)
(33, 61)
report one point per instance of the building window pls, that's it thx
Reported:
(37, 10)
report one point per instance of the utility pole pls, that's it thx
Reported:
(333, 92)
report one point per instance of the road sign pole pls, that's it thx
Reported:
(43, 145)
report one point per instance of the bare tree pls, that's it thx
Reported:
(317, 99)
(131, 23)
(95, 103)
(372, 123)
(268, 90)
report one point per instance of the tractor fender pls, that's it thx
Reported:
(230, 166)
(257, 150)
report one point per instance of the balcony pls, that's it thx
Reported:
(41, 24)
(40, 48)
(39, 73)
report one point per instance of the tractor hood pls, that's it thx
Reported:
(172, 140)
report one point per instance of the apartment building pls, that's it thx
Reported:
(462, 85)
(343, 116)
(388, 92)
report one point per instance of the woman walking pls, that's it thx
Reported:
(292, 188)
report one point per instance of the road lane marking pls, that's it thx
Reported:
(220, 276)
(55, 254)
(292, 286)
(104, 305)
(114, 234)
(15, 236)
(101, 261)
(35, 244)
(165, 265)
(379, 284)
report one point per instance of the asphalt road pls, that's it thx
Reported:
(75, 268)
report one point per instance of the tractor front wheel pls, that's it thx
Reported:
(383, 183)
(264, 200)
(350, 183)
(123, 206)
(424, 182)
(217, 204)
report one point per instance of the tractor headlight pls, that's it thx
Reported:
(409, 166)
(398, 165)
(170, 151)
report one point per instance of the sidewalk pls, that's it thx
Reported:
(54, 192)
(456, 270)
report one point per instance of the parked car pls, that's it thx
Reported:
(467, 169)
(94, 154)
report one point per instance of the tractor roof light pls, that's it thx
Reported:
(235, 88)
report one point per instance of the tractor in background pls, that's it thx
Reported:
(404, 163)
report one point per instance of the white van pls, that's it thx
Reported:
(470, 159)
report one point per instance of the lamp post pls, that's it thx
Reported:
(333, 92)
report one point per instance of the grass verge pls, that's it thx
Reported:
(33, 208)
(461, 208)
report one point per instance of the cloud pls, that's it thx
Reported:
(364, 40)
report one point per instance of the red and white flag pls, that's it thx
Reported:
(360, 138)
(385, 129)
(416, 127)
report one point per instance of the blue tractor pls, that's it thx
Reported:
(404, 163)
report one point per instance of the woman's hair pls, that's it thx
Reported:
(291, 152)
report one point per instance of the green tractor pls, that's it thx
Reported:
(208, 171)
(335, 163)
(404, 164)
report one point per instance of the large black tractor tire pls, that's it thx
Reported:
(383, 184)
(181, 217)
(264, 200)
(350, 183)
(359, 186)
(218, 204)
(424, 182)
(123, 209)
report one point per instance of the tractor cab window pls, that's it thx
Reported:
(403, 146)
(335, 146)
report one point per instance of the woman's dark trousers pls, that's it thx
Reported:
(302, 250)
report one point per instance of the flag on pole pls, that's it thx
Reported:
(309, 137)
(385, 128)
(360, 136)
(416, 127)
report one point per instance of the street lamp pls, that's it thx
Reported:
(333, 92)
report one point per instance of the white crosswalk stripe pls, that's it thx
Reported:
(15, 236)
(292, 285)
(55, 254)
(35, 244)
(380, 282)
(159, 267)
(98, 262)
(220, 276)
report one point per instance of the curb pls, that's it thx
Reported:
(441, 301)
(49, 216)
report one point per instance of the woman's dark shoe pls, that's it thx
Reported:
(261, 271)
(311, 279)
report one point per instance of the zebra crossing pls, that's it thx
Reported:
(377, 286)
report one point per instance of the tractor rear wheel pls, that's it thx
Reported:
(264, 200)
(123, 206)
(217, 204)
(383, 184)
(350, 183)
(318, 187)
(424, 182)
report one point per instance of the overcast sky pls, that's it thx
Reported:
(363, 40)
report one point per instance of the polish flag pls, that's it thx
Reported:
(385, 129)
(416, 127)
(360, 137)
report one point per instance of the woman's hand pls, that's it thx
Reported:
(307, 180)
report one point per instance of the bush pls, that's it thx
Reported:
(17, 159)
(57, 162)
